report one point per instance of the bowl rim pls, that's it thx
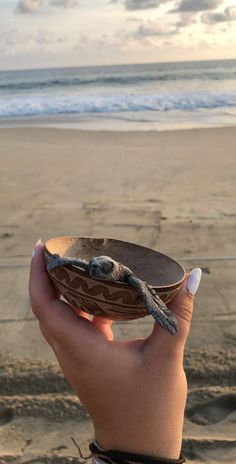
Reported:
(124, 284)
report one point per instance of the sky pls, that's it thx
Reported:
(60, 33)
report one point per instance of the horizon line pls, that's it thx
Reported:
(117, 64)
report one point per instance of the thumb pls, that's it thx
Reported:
(182, 307)
(182, 304)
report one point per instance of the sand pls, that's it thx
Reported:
(173, 191)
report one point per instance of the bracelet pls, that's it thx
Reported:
(120, 457)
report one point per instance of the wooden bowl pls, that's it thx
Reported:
(114, 300)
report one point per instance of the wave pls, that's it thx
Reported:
(98, 103)
(115, 80)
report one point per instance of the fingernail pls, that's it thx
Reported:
(194, 280)
(39, 242)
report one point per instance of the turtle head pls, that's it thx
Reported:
(103, 268)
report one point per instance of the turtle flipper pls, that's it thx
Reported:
(154, 305)
(58, 261)
(166, 319)
(162, 307)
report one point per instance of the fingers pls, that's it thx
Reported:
(59, 324)
(41, 290)
(104, 325)
(53, 314)
(101, 323)
(182, 307)
(80, 312)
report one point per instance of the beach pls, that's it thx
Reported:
(173, 191)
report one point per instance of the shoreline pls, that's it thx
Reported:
(114, 124)
(80, 129)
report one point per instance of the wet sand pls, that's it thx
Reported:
(172, 191)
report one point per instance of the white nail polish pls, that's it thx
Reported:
(39, 242)
(194, 280)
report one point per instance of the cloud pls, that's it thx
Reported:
(30, 6)
(12, 38)
(34, 6)
(141, 4)
(229, 14)
(17, 45)
(17, 39)
(133, 5)
(197, 5)
(64, 3)
(154, 29)
(185, 20)
(45, 37)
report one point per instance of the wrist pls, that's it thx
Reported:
(160, 438)
(101, 455)
(162, 445)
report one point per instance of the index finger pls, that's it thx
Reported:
(41, 289)
(57, 320)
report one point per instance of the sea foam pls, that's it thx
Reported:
(23, 106)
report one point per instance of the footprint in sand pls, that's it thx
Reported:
(214, 411)
(6, 415)
(6, 235)
(34, 461)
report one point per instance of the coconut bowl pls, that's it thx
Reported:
(113, 300)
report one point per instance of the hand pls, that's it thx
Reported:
(134, 391)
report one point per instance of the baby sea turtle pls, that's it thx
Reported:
(106, 268)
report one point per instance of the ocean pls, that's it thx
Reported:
(161, 96)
